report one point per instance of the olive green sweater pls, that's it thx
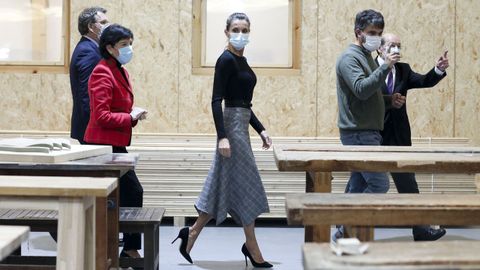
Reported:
(361, 104)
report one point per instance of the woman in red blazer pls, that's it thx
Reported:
(111, 116)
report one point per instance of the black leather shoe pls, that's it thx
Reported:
(429, 234)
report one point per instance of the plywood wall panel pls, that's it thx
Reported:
(287, 104)
(467, 65)
(194, 113)
(296, 105)
(154, 68)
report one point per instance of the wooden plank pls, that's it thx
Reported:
(477, 182)
(377, 149)
(397, 255)
(15, 185)
(144, 215)
(11, 237)
(374, 159)
(58, 156)
(382, 209)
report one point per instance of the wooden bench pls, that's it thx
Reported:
(396, 255)
(144, 220)
(369, 210)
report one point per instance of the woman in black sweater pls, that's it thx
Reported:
(233, 184)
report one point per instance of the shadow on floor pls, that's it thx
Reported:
(410, 238)
(230, 265)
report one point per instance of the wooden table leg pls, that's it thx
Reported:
(101, 237)
(112, 225)
(71, 234)
(317, 233)
(363, 233)
(90, 225)
(150, 247)
(318, 182)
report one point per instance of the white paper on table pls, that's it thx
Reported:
(350, 246)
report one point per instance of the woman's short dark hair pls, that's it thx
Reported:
(111, 36)
(368, 17)
(237, 16)
(87, 17)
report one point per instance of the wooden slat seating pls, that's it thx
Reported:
(382, 209)
(396, 256)
(144, 220)
(172, 169)
(477, 182)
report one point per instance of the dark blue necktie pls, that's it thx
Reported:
(390, 82)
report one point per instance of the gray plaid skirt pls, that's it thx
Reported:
(233, 185)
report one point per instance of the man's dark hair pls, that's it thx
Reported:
(87, 17)
(111, 36)
(368, 17)
(237, 16)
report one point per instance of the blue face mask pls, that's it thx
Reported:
(238, 40)
(125, 54)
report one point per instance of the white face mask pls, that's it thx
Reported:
(238, 40)
(102, 28)
(372, 43)
(125, 54)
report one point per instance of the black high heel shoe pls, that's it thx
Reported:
(246, 253)
(183, 234)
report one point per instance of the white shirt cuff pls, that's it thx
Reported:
(438, 71)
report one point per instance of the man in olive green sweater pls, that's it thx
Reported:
(361, 104)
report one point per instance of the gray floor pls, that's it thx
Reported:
(218, 248)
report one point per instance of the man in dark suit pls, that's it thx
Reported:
(396, 125)
(85, 57)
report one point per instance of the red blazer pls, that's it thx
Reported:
(111, 101)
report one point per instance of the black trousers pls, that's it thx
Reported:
(131, 195)
(407, 183)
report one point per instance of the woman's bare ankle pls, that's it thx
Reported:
(192, 237)
(254, 250)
